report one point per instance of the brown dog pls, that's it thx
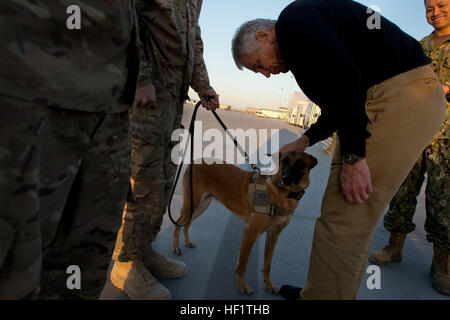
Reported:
(230, 185)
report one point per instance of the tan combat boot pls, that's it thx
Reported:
(137, 282)
(440, 271)
(161, 266)
(390, 253)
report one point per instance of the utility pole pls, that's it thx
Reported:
(281, 98)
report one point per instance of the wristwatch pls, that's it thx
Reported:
(352, 158)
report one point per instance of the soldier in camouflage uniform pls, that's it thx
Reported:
(64, 142)
(435, 161)
(175, 50)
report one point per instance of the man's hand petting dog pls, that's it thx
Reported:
(298, 145)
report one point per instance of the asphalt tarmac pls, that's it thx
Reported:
(217, 234)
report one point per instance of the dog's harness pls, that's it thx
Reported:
(258, 197)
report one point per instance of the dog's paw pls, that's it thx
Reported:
(245, 289)
(189, 244)
(272, 289)
(177, 251)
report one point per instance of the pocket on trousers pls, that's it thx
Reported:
(370, 108)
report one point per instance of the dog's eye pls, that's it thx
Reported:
(299, 164)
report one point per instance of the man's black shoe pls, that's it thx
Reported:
(290, 292)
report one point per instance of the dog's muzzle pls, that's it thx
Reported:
(287, 181)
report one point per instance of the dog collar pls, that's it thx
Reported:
(287, 193)
(296, 195)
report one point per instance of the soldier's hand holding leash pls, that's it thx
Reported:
(210, 100)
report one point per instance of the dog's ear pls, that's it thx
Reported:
(313, 161)
(279, 156)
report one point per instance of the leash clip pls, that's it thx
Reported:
(255, 169)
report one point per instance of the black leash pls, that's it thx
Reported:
(191, 165)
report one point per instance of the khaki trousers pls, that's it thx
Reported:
(404, 114)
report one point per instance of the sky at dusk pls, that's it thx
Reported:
(219, 20)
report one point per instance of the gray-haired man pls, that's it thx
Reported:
(383, 91)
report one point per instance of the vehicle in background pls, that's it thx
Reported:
(280, 113)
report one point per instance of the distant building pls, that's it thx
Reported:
(251, 110)
(227, 108)
(298, 98)
(301, 111)
(314, 114)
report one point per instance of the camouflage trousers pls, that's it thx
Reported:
(85, 168)
(152, 173)
(435, 162)
(21, 126)
(63, 188)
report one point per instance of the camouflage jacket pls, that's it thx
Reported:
(440, 57)
(92, 69)
(172, 37)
